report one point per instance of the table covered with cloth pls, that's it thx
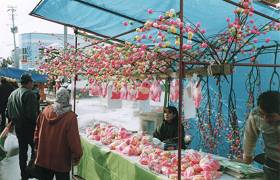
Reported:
(101, 163)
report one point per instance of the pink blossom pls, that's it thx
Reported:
(203, 31)
(160, 17)
(267, 40)
(125, 23)
(187, 46)
(252, 21)
(255, 40)
(228, 20)
(150, 11)
(204, 45)
(150, 37)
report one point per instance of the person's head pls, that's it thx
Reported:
(3, 80)
(62, 97)
(26, 81)
(269, 105)
(170, 114)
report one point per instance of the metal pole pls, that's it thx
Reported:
(181, 74)
(75, 76)
(235, 64)
(65, 38)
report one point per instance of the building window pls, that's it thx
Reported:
(24, 55)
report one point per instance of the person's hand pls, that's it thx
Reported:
(75, 162)
(247, 159)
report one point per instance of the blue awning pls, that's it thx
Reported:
(16, 74)
(106, 17)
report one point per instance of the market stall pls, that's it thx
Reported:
(171, 43)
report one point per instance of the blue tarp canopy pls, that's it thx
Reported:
(105, 18)
(16, 74)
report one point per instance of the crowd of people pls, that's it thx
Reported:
(53, 134)
(50, 134)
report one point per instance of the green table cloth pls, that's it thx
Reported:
(99, 163)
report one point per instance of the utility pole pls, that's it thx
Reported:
(14, 28)
(65, 38)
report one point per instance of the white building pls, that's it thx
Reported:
(31, 44)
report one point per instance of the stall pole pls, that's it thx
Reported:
(75, 76)
(181, 74)
(74, 93)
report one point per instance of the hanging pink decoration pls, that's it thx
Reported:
(143, 91)
(116, 94)
(155, 91)
(131, 92)
(104, 89)
(124, 92)
(174, 90)
(95, 89)
(196, 89)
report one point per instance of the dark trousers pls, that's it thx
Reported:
(271, 169)
(3, 121)
(25, 138)
(270, 173)
(47, 174)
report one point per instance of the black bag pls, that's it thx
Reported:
(33, 171)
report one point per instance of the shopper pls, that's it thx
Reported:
(22, 110)
(265, 119)
(57, 139)
(168, 130)
(5, 90)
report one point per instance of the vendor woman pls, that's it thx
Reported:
(168, 130)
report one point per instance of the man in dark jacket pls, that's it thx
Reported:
(5, 90)
(22, 110)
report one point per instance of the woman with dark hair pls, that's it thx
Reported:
(265, 120)
(168, 130)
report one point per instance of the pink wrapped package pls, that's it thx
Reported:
(123, 134)
(174, 90)
(134, 151)
(116, 94)
(167, 170)
(114, 144)
(197, 168)
(126, 150)
(95, 89)
(124, 92)
(209, 164)
(143, 91)
(144, 160)
(189, 173)
(104, 87)
(193, 156)
(196, 90)
(121, 147)
(131, 92)
(155, 91)
(106, 141)
(211, 175)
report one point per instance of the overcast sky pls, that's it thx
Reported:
(25, 23)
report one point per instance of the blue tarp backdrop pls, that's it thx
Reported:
(16, 74)
(106, 18)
